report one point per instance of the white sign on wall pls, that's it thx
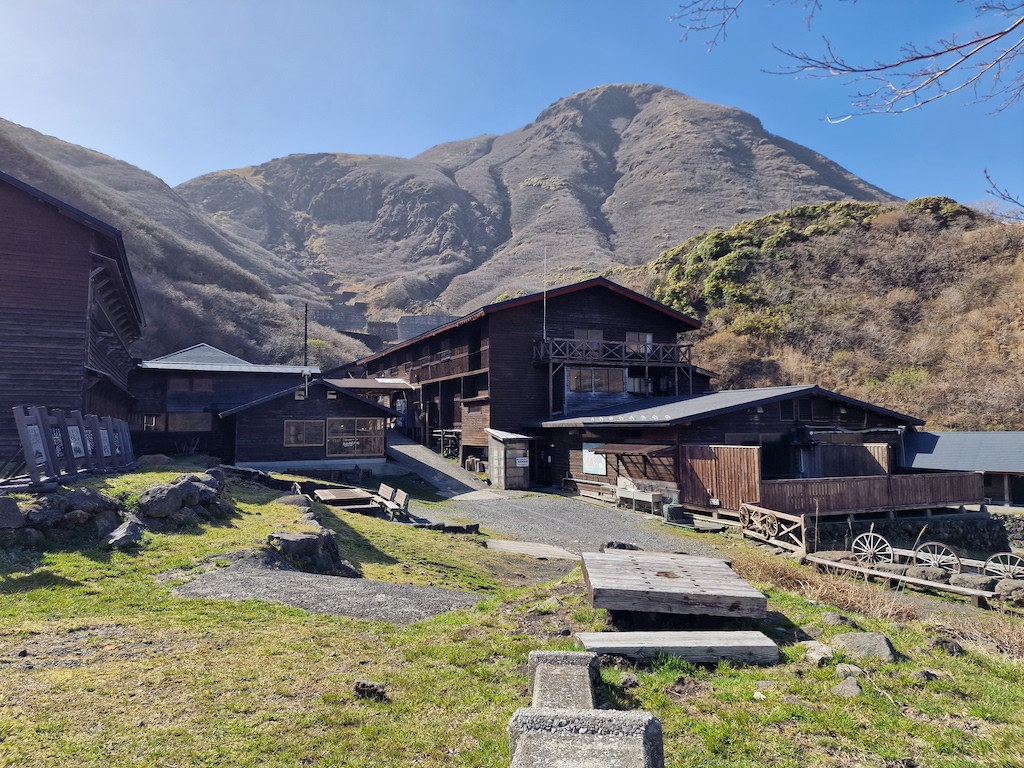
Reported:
(522, 461)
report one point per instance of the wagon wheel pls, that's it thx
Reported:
(810, 537)
(770, 525)
(757, 522)
(871, 548)
(936, 555)
(744, 517)
(1005, 565)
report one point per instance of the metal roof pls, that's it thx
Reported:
(965, 451)
(206, 357)
(668, 411)
(634, 449)
(313, 383)
(375, 385)
(503, 436)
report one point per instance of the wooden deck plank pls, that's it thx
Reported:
(966, 591)
(342, 497)
(698, 647)
(667, 583)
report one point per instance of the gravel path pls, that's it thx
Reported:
(565, 522)
(252, 579)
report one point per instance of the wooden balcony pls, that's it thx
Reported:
(842, 495)
(619, 353)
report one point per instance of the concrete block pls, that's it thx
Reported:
(572, 738)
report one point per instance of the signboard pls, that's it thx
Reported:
(594, 463)
(522, 461)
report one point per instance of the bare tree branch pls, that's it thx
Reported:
(989, 64)
(1002, 193)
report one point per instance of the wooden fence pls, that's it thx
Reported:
(836, 494)
(56, 444)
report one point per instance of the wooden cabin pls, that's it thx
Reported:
(69, 310)
(999, 456)
(795, 450)
(568, 350)
(178, 398)
(319, 425)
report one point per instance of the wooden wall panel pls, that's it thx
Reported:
(835, 460)
(731, 473)
(866, 493)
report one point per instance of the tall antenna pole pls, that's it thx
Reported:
(545, 294)
(305, 336)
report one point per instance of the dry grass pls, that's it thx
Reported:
(996, 630)
(843, 592)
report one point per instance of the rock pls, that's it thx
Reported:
(938, 575)
(620, 545)
(31, 537)
(816, 653)
(75, 517)
(221, 508)
(973, 581)
(946, 645)
(295, 500)
(795, 701)
(189, 491)
(836, 555)
(812, 631)
(759, 696)
(184, 518)
(90, 500)
(11, 515)
(155, 459)
(106, 522)
(865, 645)
(42, 516)
(315, 552)
(926, 675)
(160, 500)
(550, 605)
(894, 568)
(128, 534)
(848, 689)
(848, 670)
(764, 685)
(1011, 589)
(629, 681)
(367, 689)
(837, 620)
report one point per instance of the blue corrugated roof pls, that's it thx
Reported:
(966, 451)
(673, 410)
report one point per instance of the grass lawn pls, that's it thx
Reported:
(102, 665)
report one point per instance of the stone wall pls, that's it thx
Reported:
(972, 533)
(1013, 523)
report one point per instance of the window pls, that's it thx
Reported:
(298, 434)
(591, 348)
(355, 437)
(796, 410)
(189, 422)
(597, 379)
(639, 344)
(154, 422)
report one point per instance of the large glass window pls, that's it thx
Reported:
(597, 379)
(639, 344)
(298, 434)
(355, 437)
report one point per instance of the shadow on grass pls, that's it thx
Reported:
(37, 580)
(352, 545)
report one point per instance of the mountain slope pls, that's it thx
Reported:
(606, 177)
(197, 281)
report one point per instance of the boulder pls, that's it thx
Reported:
(848, 670)
(128, 534)
(160, 500)
(89, 500)
(945, 645)
(106, 522)
(928, 573)
(314, 551)
(926, 675)
(894, 568)
(221, 508)
(836, 555)
(189, 491)
(816, 653)
(43, 515)
(865, 645)
(185, 517)
(848, 689)
(11, 515)
(31, 537)
(837, 620)
(1011, 589)
(75, 517)
(620, 545)
(973, 581)
(293, 499)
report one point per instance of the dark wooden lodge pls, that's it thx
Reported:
(568, 350)
(319, 425)
(68, 310)
(768, 457)
(179, 398)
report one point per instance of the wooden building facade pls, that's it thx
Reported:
(69, 310)
(796, 450)
(179, 398)
(568, 350)
(312, 426)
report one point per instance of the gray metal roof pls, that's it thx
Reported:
(314, 383)
(666, 411)
(965, 451)
(206, 357)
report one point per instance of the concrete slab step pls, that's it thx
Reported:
(574, 738)
(697, 647)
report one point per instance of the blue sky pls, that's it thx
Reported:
(185, 87)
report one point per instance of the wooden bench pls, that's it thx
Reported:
(398, 506)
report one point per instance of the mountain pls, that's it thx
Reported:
(198, 282)
(610, 176)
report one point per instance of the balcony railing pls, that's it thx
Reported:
(610, 352)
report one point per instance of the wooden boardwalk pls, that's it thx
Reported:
(700, 647)
(343, 497)
(666, 583)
